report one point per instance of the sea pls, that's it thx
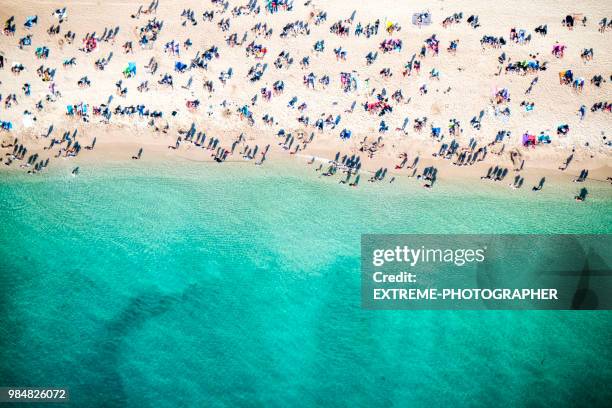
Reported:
(179, 284)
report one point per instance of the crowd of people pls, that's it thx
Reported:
(373, 88)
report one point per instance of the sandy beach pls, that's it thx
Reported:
(444, 86)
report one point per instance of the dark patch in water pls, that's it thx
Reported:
(108, 383)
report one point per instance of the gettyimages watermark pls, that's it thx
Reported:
(471, 272)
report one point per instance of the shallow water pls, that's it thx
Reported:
(180, 284)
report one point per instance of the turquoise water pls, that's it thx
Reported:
(189, 284)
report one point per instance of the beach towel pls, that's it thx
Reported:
(421, 19)
(31, 21)
(544, 139)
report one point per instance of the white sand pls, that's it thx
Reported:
(471, 74)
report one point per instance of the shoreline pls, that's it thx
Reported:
(115, 147)
(157, 162)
